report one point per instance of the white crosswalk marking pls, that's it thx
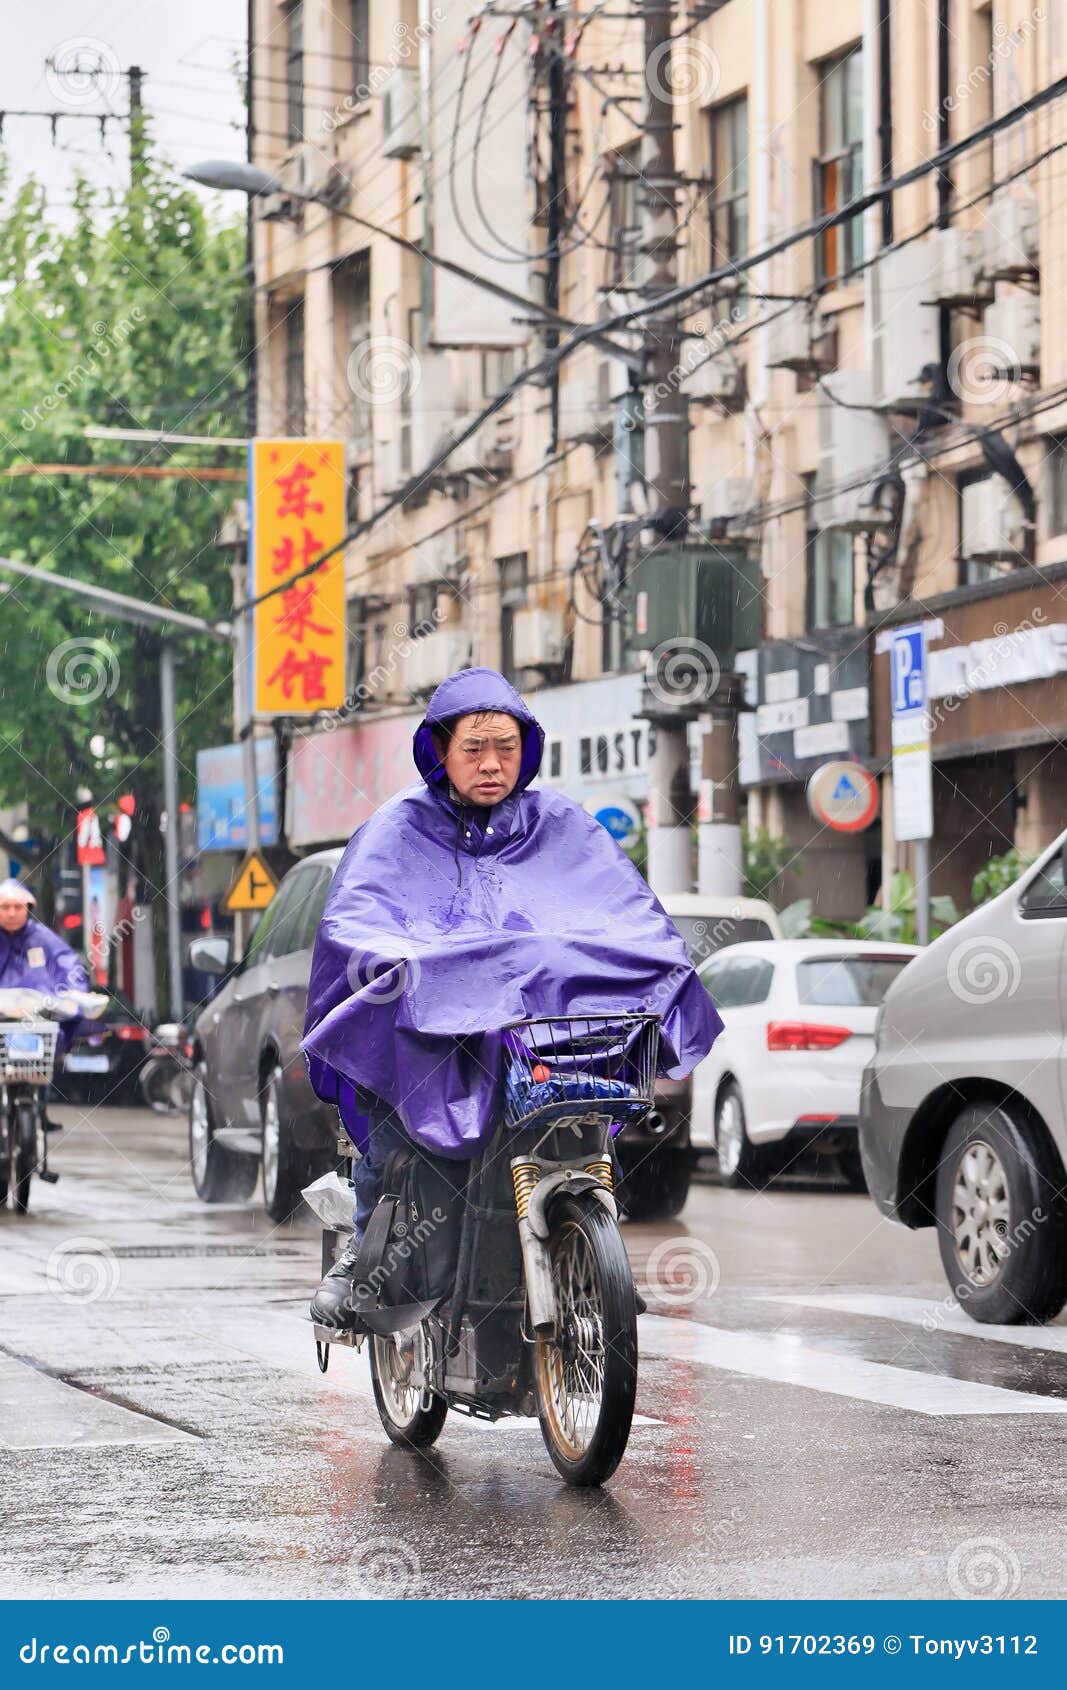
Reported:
(932, 1316)
(790, 1360)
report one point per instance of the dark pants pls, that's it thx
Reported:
(368, 1173)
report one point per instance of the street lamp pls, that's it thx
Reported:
(228, 174)
(237, 174)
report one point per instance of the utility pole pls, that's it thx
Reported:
(666, 435)
(135, 77)
(557, 169)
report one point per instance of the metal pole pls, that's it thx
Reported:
(244, 728)
(666, 426)
(170, 837)
(922, 891)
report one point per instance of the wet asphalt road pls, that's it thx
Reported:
(817, 1420)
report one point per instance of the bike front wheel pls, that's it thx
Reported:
(587, 1376)
(410, 1414)
(26, 1137)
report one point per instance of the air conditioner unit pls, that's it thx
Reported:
(958, 267)
(432, 404)
(497, 442)
(466, 459)
(1011, 329)
(537, 639)
(438, 559)
(798, 341)
(853, 449)
(389, 472)
(583, 414)
(907, 333)
(401, 135)
(991, 522)
(726, 500)
(434, 656)
(717, 379)
(1011, 236)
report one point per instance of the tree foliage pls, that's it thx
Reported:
(131, 314)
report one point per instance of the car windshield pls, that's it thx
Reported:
(703, 935)
(862, 981)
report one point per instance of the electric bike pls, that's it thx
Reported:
(542, 1317)
(29, 1038)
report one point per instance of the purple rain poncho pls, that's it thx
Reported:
(446, 922)
(39, 959)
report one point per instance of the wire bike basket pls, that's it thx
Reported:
(562, 1066)
(28, 1051)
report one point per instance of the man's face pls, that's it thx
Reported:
(14, 913)
(483, 757)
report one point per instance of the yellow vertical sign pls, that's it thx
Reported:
(297, 511)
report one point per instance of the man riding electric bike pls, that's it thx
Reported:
(464, 905)
(33, 957)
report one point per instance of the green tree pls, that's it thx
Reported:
(998, 874)
(765, 861)
(132, 314)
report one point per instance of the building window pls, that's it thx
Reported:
(294, 70)
(625, 219)
(512, 598)
(727, 203)
(351, 295)
(1056, 481)
(973, 536)
(359, 28)
(497, 369)
(831, 581)
(294, 368)
(839, 166)
(422, 611)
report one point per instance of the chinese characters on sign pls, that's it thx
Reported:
(297, 503)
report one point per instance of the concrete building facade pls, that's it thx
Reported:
(878, 410)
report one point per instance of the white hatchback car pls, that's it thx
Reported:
(799, 1019)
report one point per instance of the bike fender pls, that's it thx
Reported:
(564, 1180)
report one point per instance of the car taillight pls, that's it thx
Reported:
(128, 1032)
(804, 1035)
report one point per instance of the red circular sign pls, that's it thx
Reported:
(843, 796)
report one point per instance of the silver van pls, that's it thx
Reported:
(964, 1102)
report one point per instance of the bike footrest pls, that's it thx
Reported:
(335, 1335)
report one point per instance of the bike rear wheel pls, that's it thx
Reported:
(409, 1414)
(587, 1376)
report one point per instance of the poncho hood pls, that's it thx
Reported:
(446, 922)
(462, 694)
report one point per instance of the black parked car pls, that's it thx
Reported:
(102, 1065)
(252, 1108)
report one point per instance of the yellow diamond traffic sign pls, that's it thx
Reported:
(253, 886)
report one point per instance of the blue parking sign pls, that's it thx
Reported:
(907, 669)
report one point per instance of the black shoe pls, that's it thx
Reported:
(51, 1126)
(329, 1305)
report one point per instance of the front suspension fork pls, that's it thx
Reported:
(535, 1187)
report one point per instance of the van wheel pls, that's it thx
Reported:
(285, 1172)
(741, 1163)
(1000, 1221)
(220, 1175)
